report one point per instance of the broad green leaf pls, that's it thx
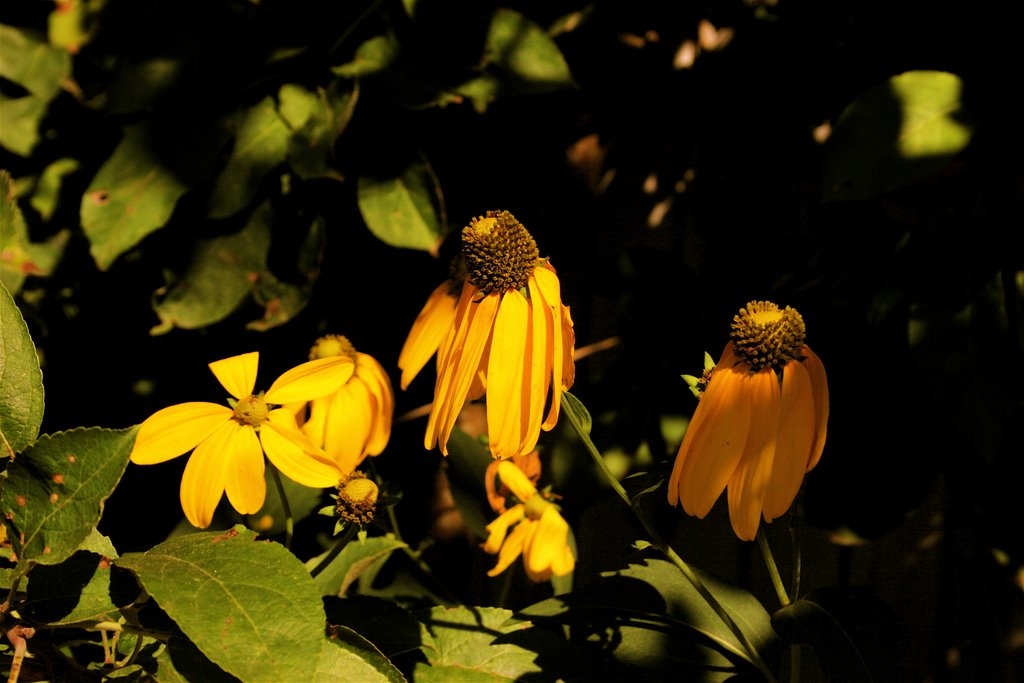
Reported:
(55, 490)
(132, 195)
(577, 413)
(179, 661)
(19, 122)
(222, 273)
(21, 381)
(896, 134)
(403, 207)
(374, 55)
(392, 629)
(852, 631)
(47, 189)
(347, 656)
(316, 120)
(248, 605)
(30, 61)
(77, 589)
(19, 257)
(261, 141)
(357, 557)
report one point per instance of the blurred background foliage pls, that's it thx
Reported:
(185, 181)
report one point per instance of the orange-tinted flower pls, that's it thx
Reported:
(353, 421)
(511, 338)
(528, 463)
(760, 424)
(539, 533)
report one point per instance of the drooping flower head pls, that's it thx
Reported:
(760, 424)
(511, 338)
(539, 533)
(432, 323)
(353, 421)
(228, 443)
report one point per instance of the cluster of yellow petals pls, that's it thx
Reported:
(228, 445)
(756, 432)
(539, 533)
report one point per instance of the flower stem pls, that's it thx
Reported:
(339, 545)
(289, 521)
(658, 542)
(773, 569)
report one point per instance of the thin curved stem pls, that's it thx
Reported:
(289, 521)
(773, 569)
(339, 545)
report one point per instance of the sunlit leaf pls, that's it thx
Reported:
(376, 54)
(71, 24)
(19, 122)
(316, 119)
(30, 61)
(55, 490)
(356, 558)
(347, 656)
(21, 381)
(261, 141)
(132, 195)
(248, 605)
(47, 189)
(403, 207)
(896, 134)
(577, 412)
(19, 257)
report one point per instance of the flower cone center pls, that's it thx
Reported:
(251, 411)
(357, 499)
(332, 345)
(765, 336)
(498, 252)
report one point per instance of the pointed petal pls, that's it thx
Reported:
(498, 529)
(379, 385)
(568, 350)
(203, 481)
(749, 482)
(715, 439)
(549, 291)
(545, 544)
(513, 546)
(427, 333)
(349, 422)
(310, 380)
(564, 562)
(478, 387)
(175, 430)
(455, 338)
(294, 455)
(796, 436)
(244, 482)
(819, 387)
(505, 375)
(516, 480)
(315, 426)
(237, 374)
(537, 370)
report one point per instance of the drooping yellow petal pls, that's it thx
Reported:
(379, 384)
(348, 424)
(310, 380)
(819, 388)
(498, 529)
(427, 333)
(202, 483)
(568, 350)
(505, 375)
(749, 482)
(478, 387)
(537, 370)
(714, 441)
(545, 545)
(237, 374)
(513, 546)
(294, 454)
(454, 339)
(796, 436)
(516, 480)
(549, 291)
(176, 430)
(315, 426)
(244, 482)
(564, 562)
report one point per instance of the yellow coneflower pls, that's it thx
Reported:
(431, 325)
(353, 421)
(511, 338)
(540, 534)
(228, 443)
(760, 424)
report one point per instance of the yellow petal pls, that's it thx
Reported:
(244, 482)
(549, 292)
(568, 350)
(537, 370)
(379, 384)
(175, 430)
(349, 422)
(203, 481)
(454, 338)
(796, 436)
(513, 546)
(310, 380)
(516, 480)
(498, 529)
(714, 441)
(819, 387)
(315, 426)
(427, 333)
(295, 455)
(505, 375)
(564, 562)
(546, 543)
(478, 387)
(749, 482)
(237, 374)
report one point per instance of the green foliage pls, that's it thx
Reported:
(357, 558)
(21, 382)
(22, 257)
(27, 59)
(403, 206)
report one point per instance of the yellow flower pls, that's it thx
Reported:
(355, 420)
(428, 330)
(229, 443)
(760, 423)
(511, 338)
(540, 535)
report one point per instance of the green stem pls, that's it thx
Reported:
(289, 521)
(773, 569)
(752, 654)
(794, 535)
(339, 545)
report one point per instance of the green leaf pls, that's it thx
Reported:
(44, 196)
(21, 381)
(896, 134)
(132, 195)
(30, 61)
(20, 257)
(282, 301)
(347, 656)
(55, 490)
(317, 120)
(852, 631)
(392, 629)
(19, 122)
(578, 414)
(248, 605)
(372, 56)
(261, 141)
(403, 206)
(77, 589)
(356, 558)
